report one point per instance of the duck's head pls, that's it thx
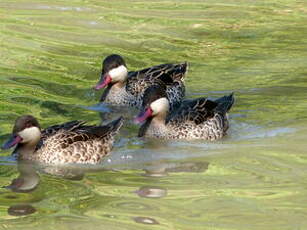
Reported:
(26, 130)
(155, 102)
(114, 70)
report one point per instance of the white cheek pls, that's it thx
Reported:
(160, 105)
(119, 73)
(30, 134)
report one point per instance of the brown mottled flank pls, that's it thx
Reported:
(72, 142)
(194, 119)
(212, 129)
(131, 92)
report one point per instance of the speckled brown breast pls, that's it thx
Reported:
(213, 129)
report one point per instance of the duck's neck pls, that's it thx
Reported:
(157, 127)
(27, 150)
(118, 95)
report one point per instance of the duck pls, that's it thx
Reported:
(125, 88)
(70, 142)
(198, 118)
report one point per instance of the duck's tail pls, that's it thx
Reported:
(180, 71)
(173, 73)
(225, 103)
(115, 125)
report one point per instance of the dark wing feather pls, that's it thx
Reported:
(224, 103)
(68, 126)
(197, 110)
(167, 73)
(85, 133)
(102, 130)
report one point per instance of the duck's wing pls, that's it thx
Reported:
(167, 73)
(198, 111)
(67, 137)
(101, 131)
(52, 130)
(68, 126)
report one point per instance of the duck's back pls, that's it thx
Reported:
(200, 119)
(170, 74)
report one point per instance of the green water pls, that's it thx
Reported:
(255, 178)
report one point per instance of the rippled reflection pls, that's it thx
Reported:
(162, 169)
(151, 192)
(27, 180)
(21, 210)
(145, 220)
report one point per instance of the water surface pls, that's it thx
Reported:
(254, 178)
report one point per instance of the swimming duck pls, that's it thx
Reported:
(71, 142)
(199, 118)
(127, 88)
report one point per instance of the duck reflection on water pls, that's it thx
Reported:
(163, 169)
